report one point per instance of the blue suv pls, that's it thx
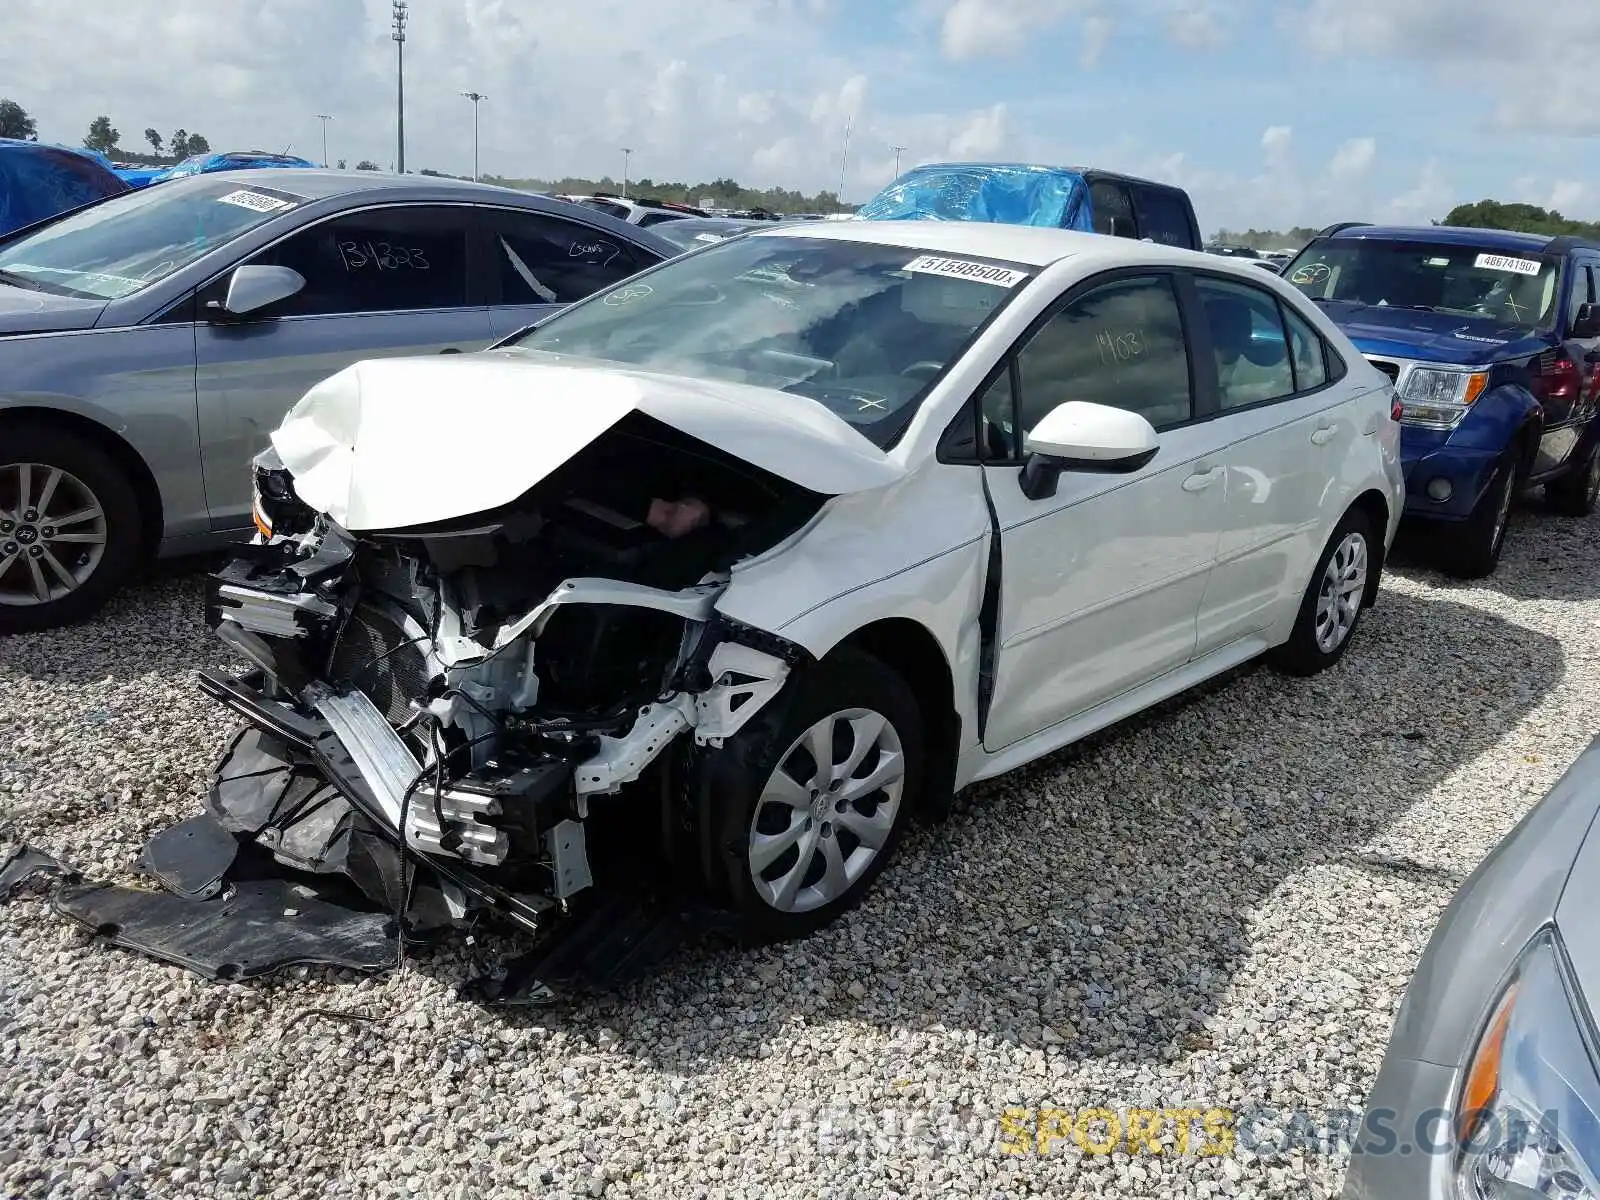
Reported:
(1493, 341)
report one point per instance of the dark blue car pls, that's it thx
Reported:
(1493, 341)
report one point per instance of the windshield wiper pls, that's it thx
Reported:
(38, 285)
(21, 281)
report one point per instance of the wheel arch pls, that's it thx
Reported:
(911, 650)
(132, 464)
(1375, 507)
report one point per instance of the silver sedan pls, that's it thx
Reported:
(150, 342)
(1491, 1086)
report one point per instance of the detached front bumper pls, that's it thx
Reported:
(294, 861)
(354, 751)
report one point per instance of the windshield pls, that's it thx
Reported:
(692, 232)
(129, 242)
(864, 329)
(1462, 280)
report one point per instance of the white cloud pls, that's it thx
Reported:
(1491, 43)
(1275, 143)
(982, 135)
(1096, 36)
(1201, 24)
(1569, 194)
(979, 28)
(1353, 158)
(1428, 199)
(699, 88)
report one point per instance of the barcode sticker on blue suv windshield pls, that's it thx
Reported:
(962, 268)
(1504, 262)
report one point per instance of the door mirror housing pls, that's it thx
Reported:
(1586, 321)
(1078, 436)
(254, 287)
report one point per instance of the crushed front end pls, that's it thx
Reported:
(489, 716)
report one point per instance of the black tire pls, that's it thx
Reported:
(93, 470)
(1308, 651)
(1471, 549)
(1577, 492)
(733, 780)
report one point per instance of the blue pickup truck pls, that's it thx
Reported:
(1493, 341)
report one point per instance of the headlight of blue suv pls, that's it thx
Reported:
(1438, 397)
(1529, 1111)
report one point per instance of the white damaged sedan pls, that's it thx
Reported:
(771, 548)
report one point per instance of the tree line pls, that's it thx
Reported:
(724, 193)
(16, 122)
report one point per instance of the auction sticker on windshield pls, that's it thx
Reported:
(961, 268)
(255, 201)
(1504, 262)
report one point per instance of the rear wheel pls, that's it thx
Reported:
(1333, 600)
(1472, 548)
(1576, 493)
(808, 802)
(69, 528)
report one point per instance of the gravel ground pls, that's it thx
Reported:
(1217, 905)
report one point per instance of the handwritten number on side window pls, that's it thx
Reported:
(382, 256)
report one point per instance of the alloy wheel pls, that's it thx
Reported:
(1344, 582)
(827, 810)
(52, 533)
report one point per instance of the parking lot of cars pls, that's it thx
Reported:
(1217, 904)
(902, 498)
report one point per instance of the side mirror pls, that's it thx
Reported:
(1078, 436)
(1586, 322)
(253, 287)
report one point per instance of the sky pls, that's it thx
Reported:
(1273, 113)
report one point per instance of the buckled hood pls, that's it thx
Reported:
(392, 443)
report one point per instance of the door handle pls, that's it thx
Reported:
(1201, 480)
(1323, 435)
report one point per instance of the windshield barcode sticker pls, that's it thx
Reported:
(1504, 262)
(255, 201)
(960, 268)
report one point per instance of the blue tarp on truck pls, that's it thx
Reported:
(1002, 193)
(38, 181)
(205, 164)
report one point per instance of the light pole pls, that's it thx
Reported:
(897, 152)
(844, 160)
(476, 98)
(627, 151)
(324, 118)
(399, 10)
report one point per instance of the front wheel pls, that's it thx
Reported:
(69, 528)
(1472, 549)
(808, 802)
(1332, 604)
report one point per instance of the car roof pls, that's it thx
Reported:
(1032, 245)
(1448, 235)
(318, 183)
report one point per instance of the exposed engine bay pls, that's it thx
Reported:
(446, 716)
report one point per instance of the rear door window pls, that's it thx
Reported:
(541, 259)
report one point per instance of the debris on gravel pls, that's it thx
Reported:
(1215, 906)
